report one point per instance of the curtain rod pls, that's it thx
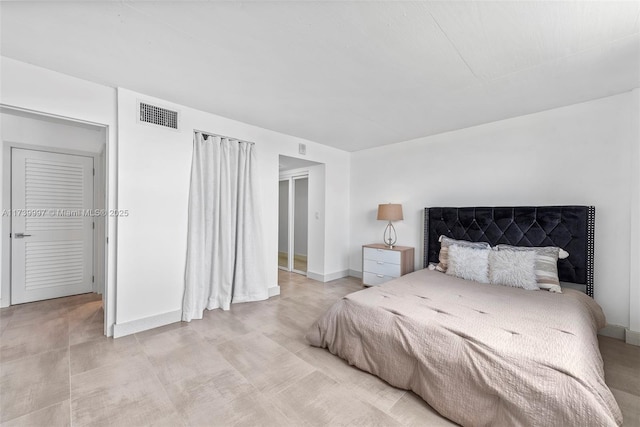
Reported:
(222, 136)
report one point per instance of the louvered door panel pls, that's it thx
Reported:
(55, 186)
(54, 193)
(49, 264)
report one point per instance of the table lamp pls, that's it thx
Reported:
(390, 212)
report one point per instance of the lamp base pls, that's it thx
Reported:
(390, 237)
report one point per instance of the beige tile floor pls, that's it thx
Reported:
(248, 366)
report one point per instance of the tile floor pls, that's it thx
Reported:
(248, 366)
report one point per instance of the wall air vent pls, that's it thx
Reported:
(157, 115)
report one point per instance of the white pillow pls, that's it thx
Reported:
(469, 263)
(445, 242)
(546, 264)
(513, 268)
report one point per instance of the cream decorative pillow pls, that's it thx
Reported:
(469, 263)
(446, 242)
(513, 268)
(546, 264)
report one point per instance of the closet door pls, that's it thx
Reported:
(283, 225)
(52, 240)
(300, 223)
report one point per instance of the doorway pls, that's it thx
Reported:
(54, 187)
(293, 227)
(301, 190)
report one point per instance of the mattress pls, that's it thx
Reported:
(479, 354)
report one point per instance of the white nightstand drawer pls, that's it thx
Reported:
(381, 267)
(381, 263)
(372, 279)
(384, 255)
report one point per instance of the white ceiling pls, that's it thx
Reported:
(351, 75)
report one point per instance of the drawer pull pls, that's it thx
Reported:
(380, 275)
(380, 262)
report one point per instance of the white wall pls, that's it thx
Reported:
(47, 132)
(153, 184)
(325, 222)
(580, 154)
(37, 89)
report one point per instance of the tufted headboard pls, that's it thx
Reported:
(568, 227)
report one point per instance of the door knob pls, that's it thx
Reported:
(21, 235)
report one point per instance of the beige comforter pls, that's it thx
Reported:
(479, 354)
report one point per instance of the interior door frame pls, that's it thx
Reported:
(101, 189)
(291, 220)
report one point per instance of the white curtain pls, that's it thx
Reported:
(224, 241)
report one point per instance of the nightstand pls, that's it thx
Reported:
(381, 263)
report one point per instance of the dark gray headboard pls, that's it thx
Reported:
(568, 227)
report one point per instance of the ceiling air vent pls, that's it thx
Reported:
(158, 116)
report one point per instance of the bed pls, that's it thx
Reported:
(483, 354)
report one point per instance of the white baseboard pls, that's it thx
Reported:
(4, 302)
(355, 273)
(327, 277)
(315, 276)
(274, 291)
(632, 337)
(613, 331)
(139, 325)
(335, 276)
